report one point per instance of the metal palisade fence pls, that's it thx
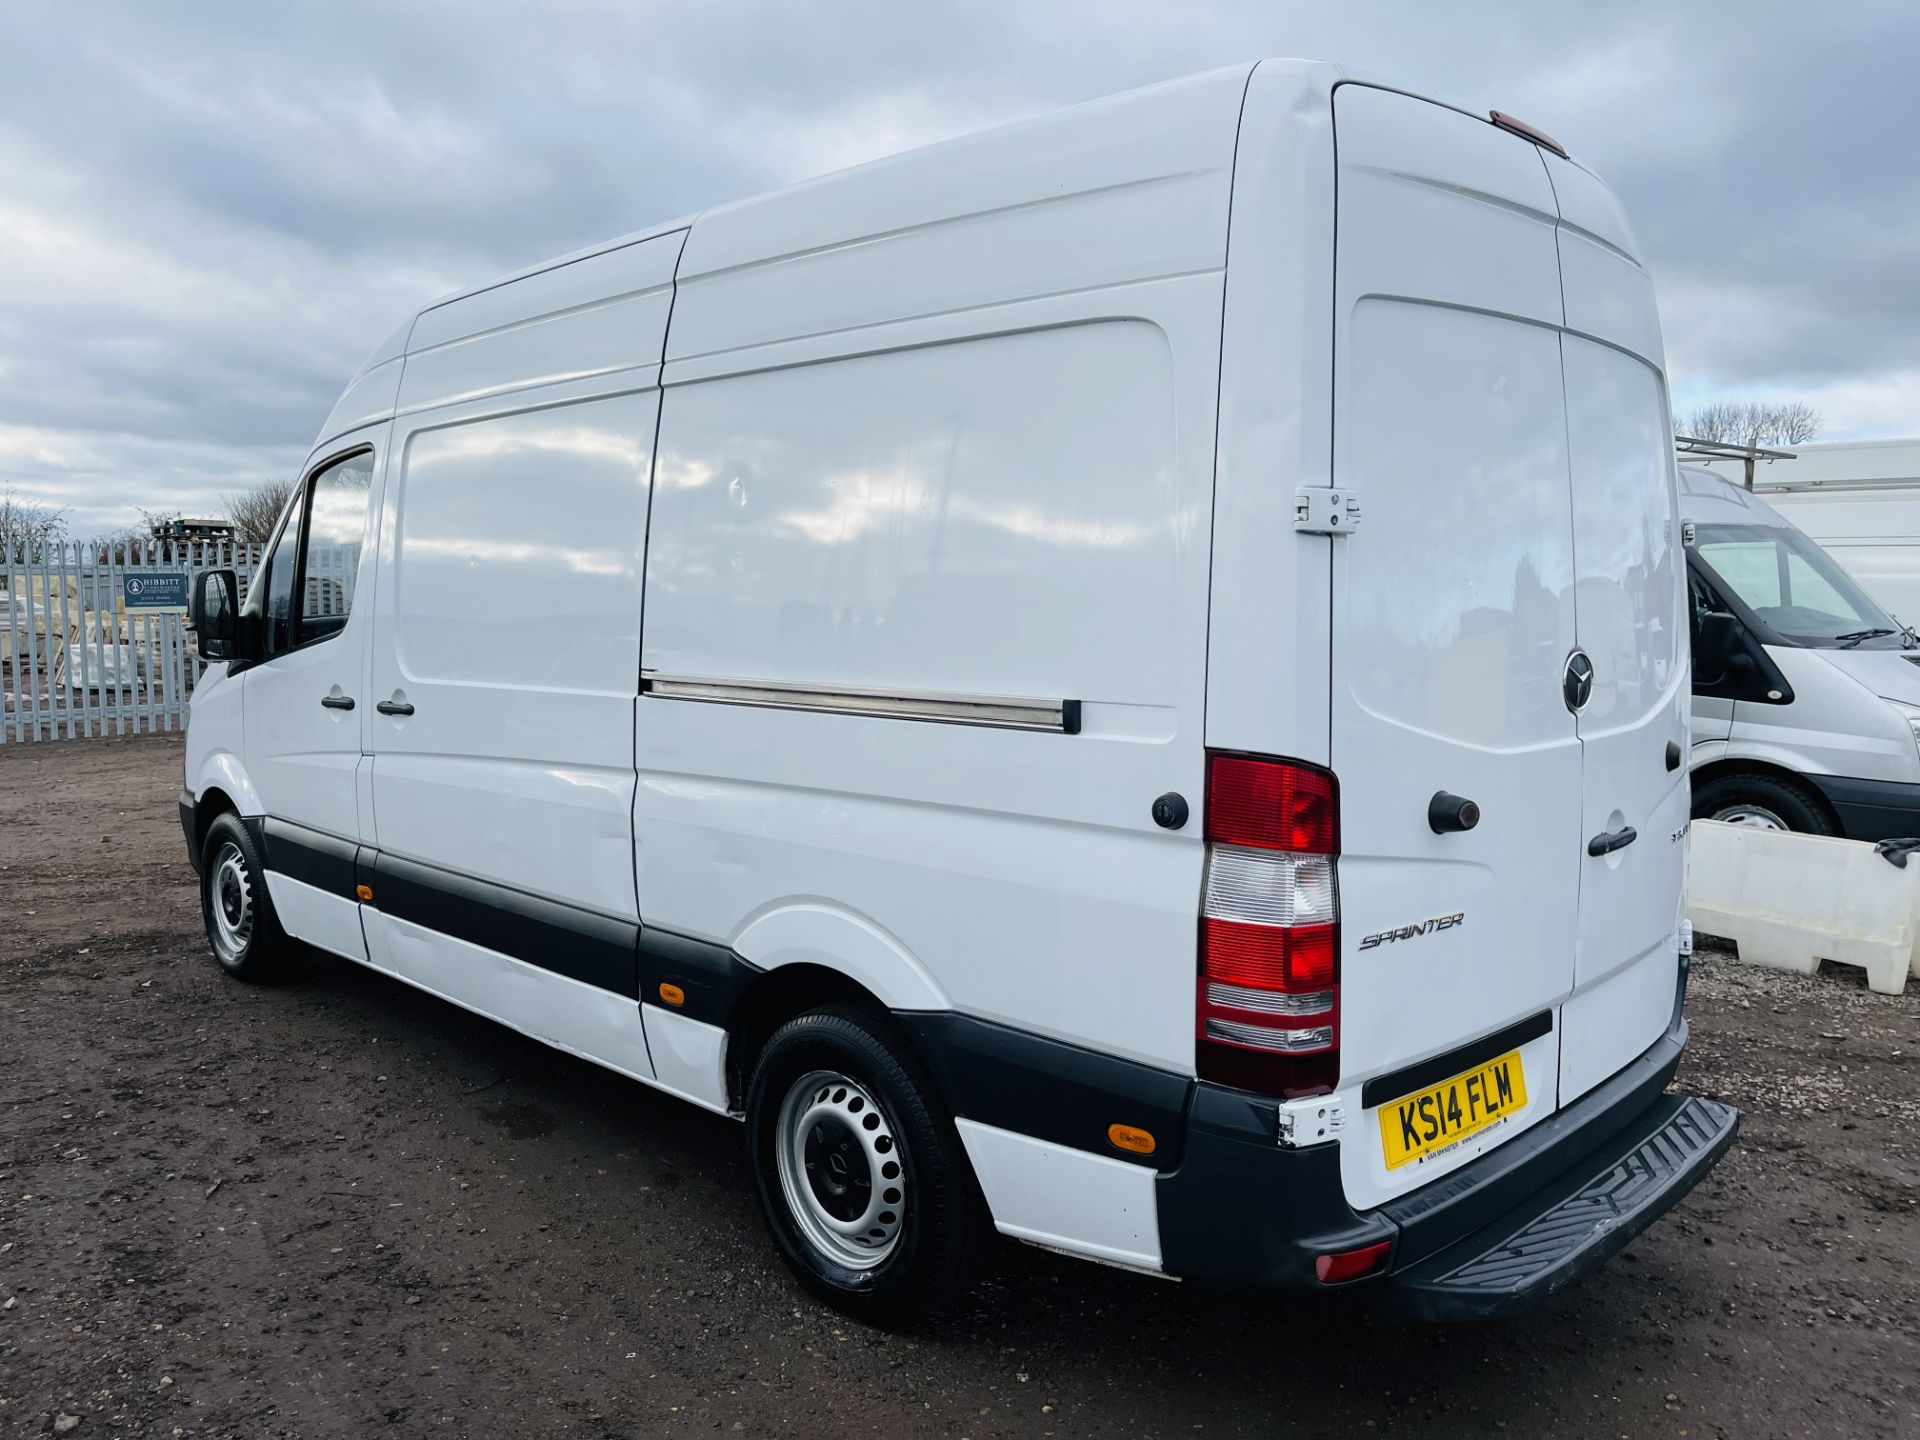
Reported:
(94, 637)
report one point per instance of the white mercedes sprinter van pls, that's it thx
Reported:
(1806, 694)
(1123, 677)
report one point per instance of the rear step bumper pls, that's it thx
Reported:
(1575, 1224)
(1497, 1235)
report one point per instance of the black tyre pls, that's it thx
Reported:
(1764, 801)
(234, 904)
(860, 1173)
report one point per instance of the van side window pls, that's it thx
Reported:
(280, 568)
(316, 560)
(335, 532)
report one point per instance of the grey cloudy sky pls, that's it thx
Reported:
(209, 212)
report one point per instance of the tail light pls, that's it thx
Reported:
(1268, 1017)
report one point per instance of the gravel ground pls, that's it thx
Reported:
(339, 1205)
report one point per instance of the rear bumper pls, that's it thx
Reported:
(1871, 809)
(1578, 1222)
(1490, 1239)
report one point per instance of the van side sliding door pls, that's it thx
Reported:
(507, 651)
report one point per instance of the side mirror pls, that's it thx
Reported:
(215, 612)
(1714, 645)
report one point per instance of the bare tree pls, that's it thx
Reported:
(135, 539)
(1751, 422)
(253, 512)
(127, 541)
(24, 524)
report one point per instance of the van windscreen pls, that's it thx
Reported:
(1796, 589)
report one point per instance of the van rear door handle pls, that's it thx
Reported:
(337, 702)
(394, 707)
(1607, 843)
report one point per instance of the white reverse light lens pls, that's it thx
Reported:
(1269, 1002)
(1265, 1037)
(1266, 887)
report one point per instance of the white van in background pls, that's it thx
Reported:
(1169, 746)
(1806, 709)
(1860, 501)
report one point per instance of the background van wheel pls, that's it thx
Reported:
(1763, 801)
(245, 933)
(860, 1173)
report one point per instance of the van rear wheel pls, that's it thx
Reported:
(1764, 802)
(860, 1173)
(241, 926)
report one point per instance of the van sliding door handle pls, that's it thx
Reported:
(394, 707)
(1606, 844)
(337, 702)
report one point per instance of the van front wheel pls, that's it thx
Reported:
(241, 927)
(1764, 802)
(860, 1172)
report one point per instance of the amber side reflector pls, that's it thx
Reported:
(1351, 1264)
(1131, 1137)
(365, 892)
(672, 994)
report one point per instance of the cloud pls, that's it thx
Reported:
(209, 213)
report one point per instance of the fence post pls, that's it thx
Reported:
(170, 651)
(9, 694)
(34, 620)
(114, 639)
(149, 710)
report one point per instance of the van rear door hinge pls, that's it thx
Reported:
(1318, 510)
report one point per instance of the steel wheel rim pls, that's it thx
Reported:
(1756, 817)
(841, 1170)
(230, 902)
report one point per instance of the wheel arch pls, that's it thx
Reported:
(809, 952)
(222, 773)
(772, 998)
(212, 804)
(1734, 767)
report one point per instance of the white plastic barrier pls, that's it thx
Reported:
(1790, 901)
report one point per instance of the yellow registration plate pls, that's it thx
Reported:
(1431, 1120)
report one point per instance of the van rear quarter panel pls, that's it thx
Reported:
(946, 425)
(1007, 516)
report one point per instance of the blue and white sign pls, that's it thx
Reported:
(155, 591)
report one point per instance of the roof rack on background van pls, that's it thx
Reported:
(1687, 447)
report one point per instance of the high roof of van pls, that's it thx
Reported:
(1157, 135)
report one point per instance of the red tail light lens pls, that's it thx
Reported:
(1269, 957)
(1271, 805)
(1268, 1011)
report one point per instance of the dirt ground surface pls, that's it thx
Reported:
(340, 1206)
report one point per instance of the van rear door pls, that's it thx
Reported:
(1633, 628)
(1453, 621)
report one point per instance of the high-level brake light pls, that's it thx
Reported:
(1269, 986)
